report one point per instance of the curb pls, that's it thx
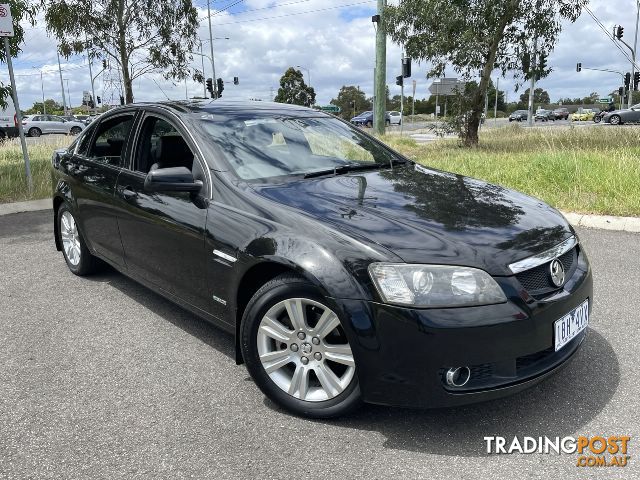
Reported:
(602, 222)
(30, 206)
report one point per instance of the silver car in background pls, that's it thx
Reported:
(626, 115)
(36, 125)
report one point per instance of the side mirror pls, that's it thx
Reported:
(174, 179)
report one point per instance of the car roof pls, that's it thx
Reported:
(232, 108)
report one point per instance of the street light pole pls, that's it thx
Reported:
(44, 108)
(308, 72)
(204, 83)
(64, 100)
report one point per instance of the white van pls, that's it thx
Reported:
(8, 127)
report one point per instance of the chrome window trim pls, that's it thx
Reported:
(544, 257)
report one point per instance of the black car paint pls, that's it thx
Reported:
(329, 230)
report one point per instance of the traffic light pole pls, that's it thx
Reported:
(213, 65)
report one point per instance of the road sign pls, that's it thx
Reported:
(605, 100)
(6, 22)
(445, 86)
(330, 108)
(6, 31)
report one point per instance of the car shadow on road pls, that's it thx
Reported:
(559, 406)
(181, 318)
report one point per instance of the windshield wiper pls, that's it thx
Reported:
(341, 169)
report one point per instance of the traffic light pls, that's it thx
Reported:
(236, 80)
(99, 100)
(210, 86)
(220, 84)
(621, 91)
(542, 65)
(121, 100)
(526, 65)
(406, 67)
(352, 104)
(619, 32)
(636, 80)
(91, 104)
(579, 67)
(104, 64)
(627, 79)
(400, 80)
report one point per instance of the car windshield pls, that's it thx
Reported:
(262, 147)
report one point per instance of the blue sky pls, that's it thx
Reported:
(335, 42)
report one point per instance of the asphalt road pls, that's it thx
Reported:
(101, 378)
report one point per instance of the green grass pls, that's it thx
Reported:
(13, 184)
(586, 170)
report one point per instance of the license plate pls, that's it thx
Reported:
(569, 326)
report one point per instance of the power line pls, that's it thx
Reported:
(609, 35)
(218, 12)
(295, 13)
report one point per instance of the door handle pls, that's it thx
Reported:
(128, 194)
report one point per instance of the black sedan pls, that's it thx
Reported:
(346, 272)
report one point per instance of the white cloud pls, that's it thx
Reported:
(336, 45)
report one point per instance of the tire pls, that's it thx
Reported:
(75, 130)
(597, 119)
(299, 362)
(34, 132)
(75, 251)
(615, 120)
(387, 123)
(369, 124)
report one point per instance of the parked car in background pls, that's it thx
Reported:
(365, 119)
(626, 115)
(561, 113)
(583, 115)
(395, 118)
(519, 116)
(345, 271)
(544, 116)
(36, 125)
(8, 127)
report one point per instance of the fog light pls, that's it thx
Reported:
(458, 376)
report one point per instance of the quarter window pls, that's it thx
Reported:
(110, 140)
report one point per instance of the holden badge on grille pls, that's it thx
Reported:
(556, 271)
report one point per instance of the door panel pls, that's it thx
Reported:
(163, 232)
(96, 171)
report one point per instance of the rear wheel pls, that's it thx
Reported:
(34, 132)
(369, 124)
(615, 120)
(76, 254)
(75, 130)
(296, 349)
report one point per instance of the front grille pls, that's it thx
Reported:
(537, 280)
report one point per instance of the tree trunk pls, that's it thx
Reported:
(477, 102)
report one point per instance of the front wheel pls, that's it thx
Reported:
(615, 120)
(296, 349)
(75, 131)
(34, 132)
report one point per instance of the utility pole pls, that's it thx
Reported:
(413, 104)
(64, 99)
(213, 65)
(532, 87)
(204, 83)
(379, 90)
(495, 107)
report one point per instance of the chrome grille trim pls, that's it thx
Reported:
(544, 257)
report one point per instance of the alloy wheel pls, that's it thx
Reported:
(70, 238)
(304, 350)
(615, 120)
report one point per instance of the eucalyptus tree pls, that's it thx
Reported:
(137, 36)
(476, 37)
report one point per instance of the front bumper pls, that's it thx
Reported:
(402, 353)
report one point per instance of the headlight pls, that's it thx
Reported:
(434, 285)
